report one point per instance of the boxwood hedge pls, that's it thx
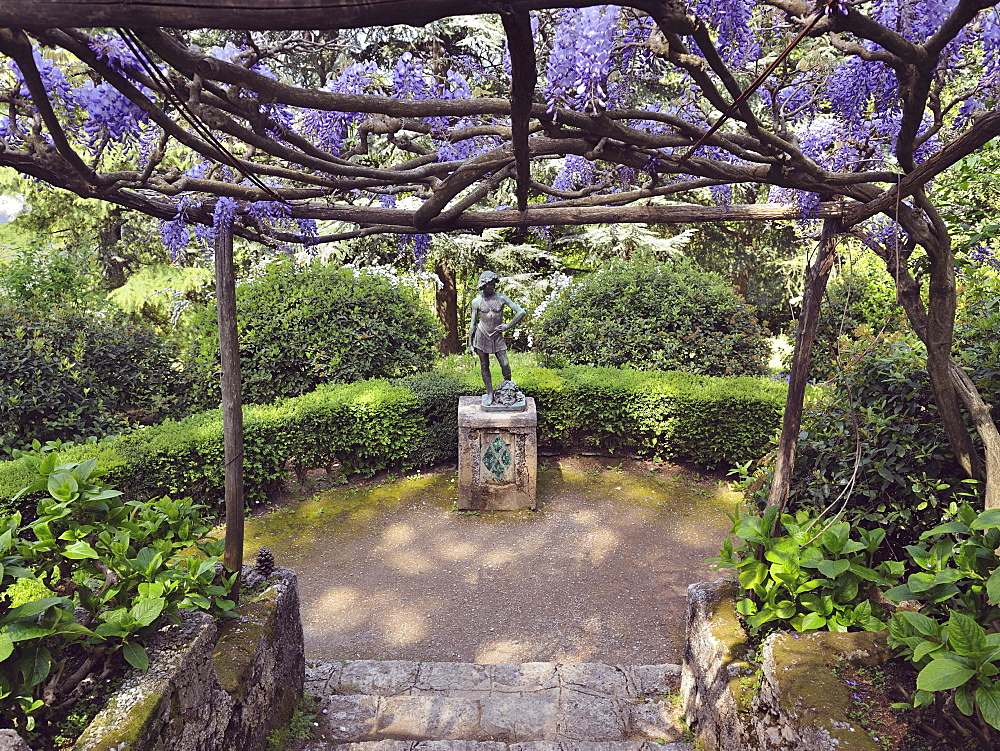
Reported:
(372, 425)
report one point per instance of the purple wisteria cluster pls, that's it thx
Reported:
(109, 113)
(330, 130)
(733, 23)
(581, 57)
(576, 172)
(985, 257)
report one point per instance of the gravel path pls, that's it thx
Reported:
(599, 574)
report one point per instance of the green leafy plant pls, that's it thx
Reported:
(814, 576)
(957, 566)
(301, 326)
(68, 374)
(881, 406)
(653, 316)
(952, 639)
(113, 569)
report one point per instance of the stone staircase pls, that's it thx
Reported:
(368, 705)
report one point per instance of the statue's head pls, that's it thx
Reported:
(486, 277)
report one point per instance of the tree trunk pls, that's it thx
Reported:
(108, 239)
(791, 422)
(232, 402)
(934, 324)
(446, 302)
(982, 420)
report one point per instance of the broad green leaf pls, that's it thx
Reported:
(946, 529)
(136, 656)
(988, 699)
(145, 611)
(63, 486)
(746, 607)
(965, 700)
(813, 621)
(941, 674)
(833, 569)
(836, 537)
(34, 608)
(23, 630)
(899, 594)
(151, 589)
(80, 550)
(987, 520)
(784, 609)
(35, 664)
(85, 468)
(868, 574)
(6, 647)
(110, 629)
(753, 575)
(965, 636)
(993, 588)
(921, 623)
(923, 649)
(920, 582)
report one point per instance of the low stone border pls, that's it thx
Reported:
(209, 688)
(791, 701)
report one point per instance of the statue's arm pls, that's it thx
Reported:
(519, 314)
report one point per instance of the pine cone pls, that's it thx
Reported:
(265, 562)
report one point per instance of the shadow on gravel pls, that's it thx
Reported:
(389, 570)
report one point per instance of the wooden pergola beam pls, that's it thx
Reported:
(258, 14)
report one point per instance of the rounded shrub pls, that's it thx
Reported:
(68, 375)
(652, 316)
(303, 325)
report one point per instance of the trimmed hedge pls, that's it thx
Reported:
(364, 426)
(372, 425)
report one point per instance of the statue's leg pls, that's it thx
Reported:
(504, 364)
(484, 368)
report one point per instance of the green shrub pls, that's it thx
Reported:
(437, 395)
(811, 577)
(363, 427)
(48, 276)
(68, 374)
(906, 473)
(668, 415)
(976, 325)
(301, 326)
(372, 425)
(652, 317)
(114, 570)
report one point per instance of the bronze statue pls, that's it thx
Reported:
(487, 327)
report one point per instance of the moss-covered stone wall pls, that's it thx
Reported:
(791, 700)
(210, 687)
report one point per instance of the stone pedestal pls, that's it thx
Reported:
(497, 457)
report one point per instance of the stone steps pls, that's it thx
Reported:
(368, 705)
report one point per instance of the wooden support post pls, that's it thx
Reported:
(791, 423)
(232, 401)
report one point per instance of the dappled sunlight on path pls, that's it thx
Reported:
(598, 574)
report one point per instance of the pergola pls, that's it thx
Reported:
(227, 102)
